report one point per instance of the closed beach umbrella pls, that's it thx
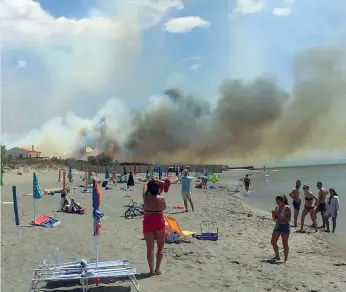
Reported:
(36, 192)
(160, 172)
(15, 205)
(125, 172)
(106, 173)
(64, 187)
(135, 170)
(97, 215)
(177, 171)
(70, 173)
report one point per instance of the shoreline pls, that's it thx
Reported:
(336, 241)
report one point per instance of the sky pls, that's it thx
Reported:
(67, 58)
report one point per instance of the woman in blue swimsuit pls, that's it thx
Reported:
(282, 217)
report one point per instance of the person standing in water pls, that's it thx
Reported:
(247, 182)
(309, 207)
(322, 195)
(295, 195)
(186, 189)
(282, 217)
(332, 209)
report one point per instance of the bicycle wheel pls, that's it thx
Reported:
(129, 214)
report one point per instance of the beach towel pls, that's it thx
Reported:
(46, 221)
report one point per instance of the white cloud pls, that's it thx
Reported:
(281, 11)
(248, 6)
(192, 58)
(73, 58)
(185, 24)
(195, 66)
(21, 64)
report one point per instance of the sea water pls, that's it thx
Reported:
(269, 183)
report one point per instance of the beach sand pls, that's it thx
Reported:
(238, 261)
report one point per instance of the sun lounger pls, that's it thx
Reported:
(47, 264)
(85, 276)
(173, 225)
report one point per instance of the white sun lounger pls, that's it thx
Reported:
(48, 264)
(84, 276)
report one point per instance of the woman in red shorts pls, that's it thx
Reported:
(154, 224)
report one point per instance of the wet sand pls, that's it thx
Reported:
(238, 261)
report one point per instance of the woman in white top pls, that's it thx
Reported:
(332, 208)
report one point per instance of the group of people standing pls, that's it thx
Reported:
(326, 203)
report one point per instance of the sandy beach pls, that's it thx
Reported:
(238, 261)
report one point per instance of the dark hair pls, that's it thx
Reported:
(152, 188)
(282, 198)
(332, 190)
(319, 183)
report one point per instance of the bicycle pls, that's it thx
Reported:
(134, 211)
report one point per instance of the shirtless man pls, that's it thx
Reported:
(295, 195)
(247, 182)
(322, 195)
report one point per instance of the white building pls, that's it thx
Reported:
(21, 152)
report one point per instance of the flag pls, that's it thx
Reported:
(88, 149)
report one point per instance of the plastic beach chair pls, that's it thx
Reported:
(85, 276)
(174, 226)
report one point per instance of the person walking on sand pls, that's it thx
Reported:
(322, 195)
(247, 182)
(186, 189)
(309, 207)
(332, 208)
(295, 195)
(282, 217)
(154, 224)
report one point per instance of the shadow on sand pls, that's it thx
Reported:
(74, 285)
(272, 262)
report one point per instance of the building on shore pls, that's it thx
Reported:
(23, 153)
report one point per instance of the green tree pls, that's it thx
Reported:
(105, 159)
(3, 151)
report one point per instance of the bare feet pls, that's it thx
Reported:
(158, 273)
(276, 258)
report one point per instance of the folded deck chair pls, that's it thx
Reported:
(85, 276)
(173, 225)
(81, 265)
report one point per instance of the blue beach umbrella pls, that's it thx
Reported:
(15, 206)
(160, 172)
(36, 192)
(106, 173)
(97, 215)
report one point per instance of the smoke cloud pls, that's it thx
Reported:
(257, 119)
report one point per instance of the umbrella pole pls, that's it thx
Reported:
(97, 250)
(34, 212)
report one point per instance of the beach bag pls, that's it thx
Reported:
(173, 237)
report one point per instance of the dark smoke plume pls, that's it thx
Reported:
(257, 118)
